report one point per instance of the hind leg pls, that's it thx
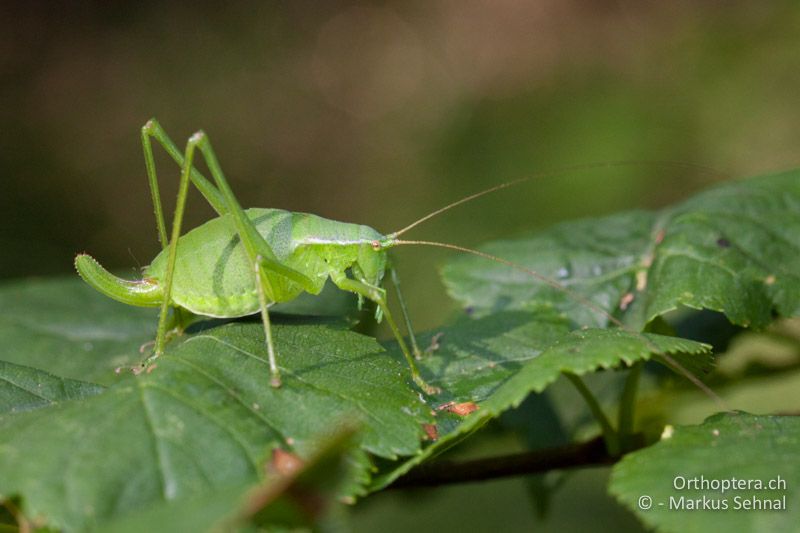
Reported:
(258, 250)
(274, 372)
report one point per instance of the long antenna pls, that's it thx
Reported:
(583, 300)
(459, 202)
(554, 173)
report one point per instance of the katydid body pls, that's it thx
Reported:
(244, 261)
(212, 277)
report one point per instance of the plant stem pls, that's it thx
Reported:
(610, 436)
(575, 455)
(628, 404)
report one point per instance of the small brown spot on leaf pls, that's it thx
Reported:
(626, 300)
(722, 242)
(285, 463)
(715, 432)
(460, 409)
(659, 236)
(769, 280)
(431, 431)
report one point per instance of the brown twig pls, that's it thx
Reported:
(577, 455)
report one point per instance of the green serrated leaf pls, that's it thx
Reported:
(676, 484)
(496, 361)
(205, 418)
(476, 356)
(733, 249)
(23, 388)
(66, 328)
(596, 258)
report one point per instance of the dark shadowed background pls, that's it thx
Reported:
(379, 113)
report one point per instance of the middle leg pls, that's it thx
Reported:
(404, 311)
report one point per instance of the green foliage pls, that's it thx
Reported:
(282, 502)
(725, 447)
(498, 360)
(732, 249)
(84, 443)
(205, 419)
(23, 388)
(58, 326)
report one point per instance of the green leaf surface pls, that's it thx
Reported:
(214, 511)
(23, 388)
(282, 501)
(726, 447)
(205, 418)
(733, 249)
(496, 361)
(66, 328)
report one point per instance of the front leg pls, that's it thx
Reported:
(404, 311)
(378, 296)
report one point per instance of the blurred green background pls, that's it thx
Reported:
(380, 113)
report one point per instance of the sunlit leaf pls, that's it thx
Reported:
(676, 484)
(64, 327)
(496, 361)
(206, 418)
(733, 249)
(296, 499)
(23, 388)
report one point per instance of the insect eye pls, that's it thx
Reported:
(376, 245)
